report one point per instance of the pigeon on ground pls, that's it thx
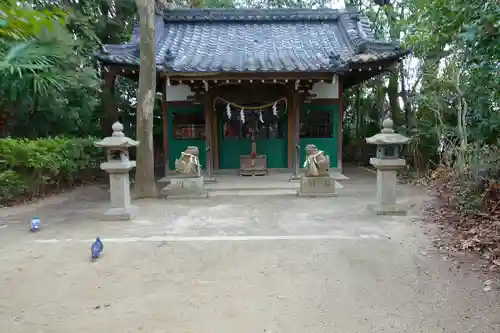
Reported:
(35, 224)
(96, 249)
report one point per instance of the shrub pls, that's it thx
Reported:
(33, 167)
(478, 182)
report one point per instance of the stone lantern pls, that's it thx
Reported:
(387, 162)
(118, 165)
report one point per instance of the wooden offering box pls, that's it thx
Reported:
(257, 168)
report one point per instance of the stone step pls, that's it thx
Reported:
(243, 186)
(272, 186)
(183, 196)
(252, 192)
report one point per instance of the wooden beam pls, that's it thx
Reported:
(238, 93)
(324, 101)
(165, 126)
(179, 103)
(359, 72)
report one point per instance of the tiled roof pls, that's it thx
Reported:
(254, 40)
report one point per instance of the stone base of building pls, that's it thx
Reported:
(317, 187)
(394, 210)
(184, 188)
(120, 214)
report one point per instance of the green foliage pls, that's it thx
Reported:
(12, 185)
(19, 21)
(475, 190)
(33, 167)
(45, 73)
(478, 183)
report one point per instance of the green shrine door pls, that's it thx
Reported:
(235, 137)
(319, 125)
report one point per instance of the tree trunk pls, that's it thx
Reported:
(145, 185)
(392, 87)
(393, 94)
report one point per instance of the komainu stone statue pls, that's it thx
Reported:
(188, 163)
(188, 182)
(316, 163)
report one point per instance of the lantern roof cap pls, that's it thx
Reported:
(117, 139)
(387, 135)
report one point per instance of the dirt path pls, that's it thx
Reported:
(229, 265)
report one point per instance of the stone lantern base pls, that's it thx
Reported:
(395, 210)
(120, 214)
(386, 186)
(120, 207)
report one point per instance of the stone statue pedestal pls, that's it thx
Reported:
(386, 186)
(118, 166)
(317, 186)
(184, 187)
(187, 183)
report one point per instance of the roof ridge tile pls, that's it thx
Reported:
(252, 14)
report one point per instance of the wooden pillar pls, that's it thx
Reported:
(291, 116)
(340, 121)
(215, 127)
(208, 134)
(293, 132)
(297, 105)
(165, 126)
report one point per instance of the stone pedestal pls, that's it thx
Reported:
(184, 187)
(321, 186)
(386, 186)
(120, 206)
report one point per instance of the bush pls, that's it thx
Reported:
(470, 202)
(34, 167)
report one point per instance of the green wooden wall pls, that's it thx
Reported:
(230, 149)
(175, 147)
(328, 145)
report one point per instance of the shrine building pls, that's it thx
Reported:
(246, 84)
